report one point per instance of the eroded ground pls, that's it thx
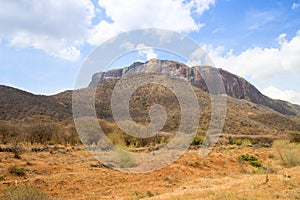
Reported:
(74, 174)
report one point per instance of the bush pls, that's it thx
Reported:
(247, 142)
(25, 193)
(247, 157)
(41, 132)
(295, 137)
(255, 164)
(17, 171)
(198, 140)
(253, 161)
(287, 153)
(2, 177)
(140, 195)
(242, 142)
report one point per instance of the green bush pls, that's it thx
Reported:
(17, 171)
(247, 142)
(235, 142)
(253, 161)
(287, 153)
(198, 140)
(25, 193)
(247, 157)
(242, 142)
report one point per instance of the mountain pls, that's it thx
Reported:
(248, 111)
(235, 86)
(17, 105)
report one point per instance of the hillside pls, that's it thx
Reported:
(235, 86)
(17, 105)
(248, 111)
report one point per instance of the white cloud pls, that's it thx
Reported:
(295, 6)
(144, 50)
(141, 49)
(55, 47)
(288, 95)
(56, 27)
(174, 15)
(281, 38)
(201, 5)
(261, 63)
(60, 28)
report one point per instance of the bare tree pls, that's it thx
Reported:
(70, 135)
(4, 132)
(41, 132)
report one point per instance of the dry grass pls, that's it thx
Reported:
(287, 153)
(218, 176)
(24, 193)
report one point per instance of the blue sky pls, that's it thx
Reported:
(44, 44)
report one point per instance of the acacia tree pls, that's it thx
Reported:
(15, 136)
(70, 135)
(4, 132)
(41, 132)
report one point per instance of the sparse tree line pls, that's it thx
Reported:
(39, 132)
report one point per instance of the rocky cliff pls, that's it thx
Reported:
(235, 86)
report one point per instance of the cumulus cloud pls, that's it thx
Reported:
(202, 5)
(56, 27)
(144, 50)
(260, 63)
(288, 95)
(60, 28)
(174, 15)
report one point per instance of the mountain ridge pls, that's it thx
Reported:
(243, 117)
(235, 86)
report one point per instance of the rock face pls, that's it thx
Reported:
(234, 85)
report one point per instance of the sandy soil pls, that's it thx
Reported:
(74, 174)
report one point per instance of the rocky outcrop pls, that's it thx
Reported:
(235, 86)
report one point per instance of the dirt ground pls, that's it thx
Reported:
(74, 174)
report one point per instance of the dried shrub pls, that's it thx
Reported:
(25, 193)
(17, 171)
(287, 153)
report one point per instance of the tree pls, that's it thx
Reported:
(70, 135)
(4, 132)
(41, 132)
